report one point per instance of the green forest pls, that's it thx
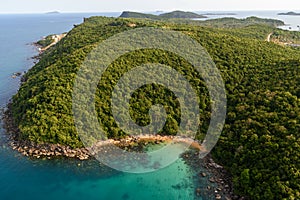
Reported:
(260, 143)
(171, 15)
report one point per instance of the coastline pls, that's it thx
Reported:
(42, 48)
(219, 177)
(44, 150)
(32, 149)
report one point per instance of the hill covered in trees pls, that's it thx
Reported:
(231, 22)
(170, 15)
(181, 14)
(129, 14)
(260, 143)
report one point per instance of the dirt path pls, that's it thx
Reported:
(269, 37)
(56, 39)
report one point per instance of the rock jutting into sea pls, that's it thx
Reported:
(218, 178)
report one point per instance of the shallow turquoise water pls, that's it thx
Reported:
(24, 178)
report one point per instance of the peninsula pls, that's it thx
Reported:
(259, 145)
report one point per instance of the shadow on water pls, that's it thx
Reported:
(125, 196)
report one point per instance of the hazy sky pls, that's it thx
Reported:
(40, 6)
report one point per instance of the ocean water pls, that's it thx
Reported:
(63, 179)
(17, 32)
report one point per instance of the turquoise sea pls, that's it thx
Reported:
(27, 179)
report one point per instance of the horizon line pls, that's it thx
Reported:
(87, 12)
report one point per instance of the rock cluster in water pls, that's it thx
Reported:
(212, 174)
(49, 150)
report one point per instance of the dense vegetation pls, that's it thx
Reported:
(181, 14)
(171, 15)
(260, 144)
(230, 22)
(129, 14)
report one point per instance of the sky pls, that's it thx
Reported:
(41, 6)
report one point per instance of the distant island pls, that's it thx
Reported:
(171, 15)
(290, 13)
(53, 12)
(128, 14)
(181, 14)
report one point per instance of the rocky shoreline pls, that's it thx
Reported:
(32, 149)
(220, 177)
(215, 175)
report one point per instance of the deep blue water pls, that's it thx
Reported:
(24, 178)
